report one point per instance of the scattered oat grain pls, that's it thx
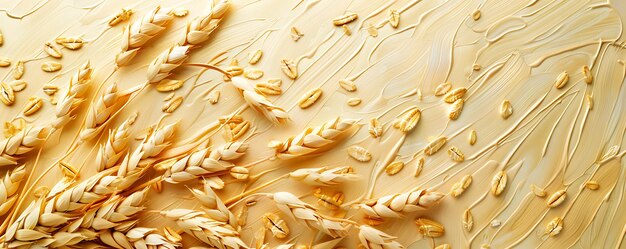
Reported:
(309, 98)
(32, 106)
(51, 66)
(289, 68)
(345, 19)
(506, 109)
(498, 183)
(172, 105)
(168, 85)
(561, 80)
(255, 57)
(359, 153)
(394, 18)
(253, 73)
(354, 101)
(394, 167)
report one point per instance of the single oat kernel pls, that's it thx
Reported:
(168, 85)
(276, 225)
(239, 173)
(435, 145)
(429, 228)
(455, 109)
(72, 43)
(561, 80)
(587, 74)
(289, 68)
(539, 192)
(476, 15)
(18, 85)
(172, 105)
(354, 101)
(468, 220)
(347, 85)
(557, 198)
(443, 88)
(394, 18)
(455, 94)
(18, 71)
(214, 97)
(472, 137)
(255, 57)
(456, 154)
(180, 12)
(345, 19)
(52, 50)
(121, 16)
(7, 96)
(50, 89)
(296, 34)
(394, 167)
(309, 98)
(375, 129)
(420, 167)
(371, 29)
(459, 187)
(359, 153)
(51, 66)
(32, 106)
(498, 183)
(253, 74)
(4, 61)
(346, 30)
(506, 109)
(593, 185)
(554, 227)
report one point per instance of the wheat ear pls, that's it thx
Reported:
(260, 103)
(8, 188)
(65, 108)
(307, 215)
(199, 225)
(116, 213)
(392, 206)
(117, 143)
(140, 32)
(138, 237)
(313, 140)
(14, 148)
(100, 112)
(197, 32)
(324, 176)
(373, 238)
(215, 206)
(204, 162)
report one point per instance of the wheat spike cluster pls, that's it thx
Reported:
(312, 124)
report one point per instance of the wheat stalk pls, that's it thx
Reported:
(138, 237)
(8, 188)
(373, 238)
(199, 225)
(259, 102)
(307, 215)
(197, 32)
(100, 112)
(393, 206)
(140, 32)
(324, 176)
(14, 148)
(117, 143)
(313, 140)
(229, 151)
(79, 83)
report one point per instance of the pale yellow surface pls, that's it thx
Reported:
(552, 139)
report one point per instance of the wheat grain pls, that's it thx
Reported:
(372, 238)
(587, 74)
(32, 106)
(394, 167)
(468, 220)
(393, 206)
(359, 153)
(308, 216)
(52, 50)
(561, 80)
(506, 109)
(8, 188)
(324, 176)
(173, 104)
(309, 98)
(329, 201)
(240, 173)
(557, 198)
(200, 226)
(18, 85)
(394, 18)
(71, 43)
(345, 19)
(459, 187)
(18, 70)
(455, 109)
(435, 145)
(7, 96)
(472, 137)
(122, 16)
(141, 31)
(375, 129)
(429, 228)
(4, 61)
(554, 227)
(454, 94)
(408, 120)
(276, 225)
(289, 68)
(259, 102)
(443, 88)
(313, 140)
(593, 185)
(498, 183)
(253, 74)
(115, 146)
(354, 101)
(347, 85)
(456, 154)
(476, 15)
(255, 57)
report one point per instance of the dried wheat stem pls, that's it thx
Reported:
(307, 215)
(373, 238)
(313, 140)
(198, 31)
(201, 226)
(140, 32)
(138, 237)
(8, 188)
(117, 143)
(259, 102)
(392, 206)
(324, 176)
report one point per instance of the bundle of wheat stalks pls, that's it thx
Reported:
(103, 210)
